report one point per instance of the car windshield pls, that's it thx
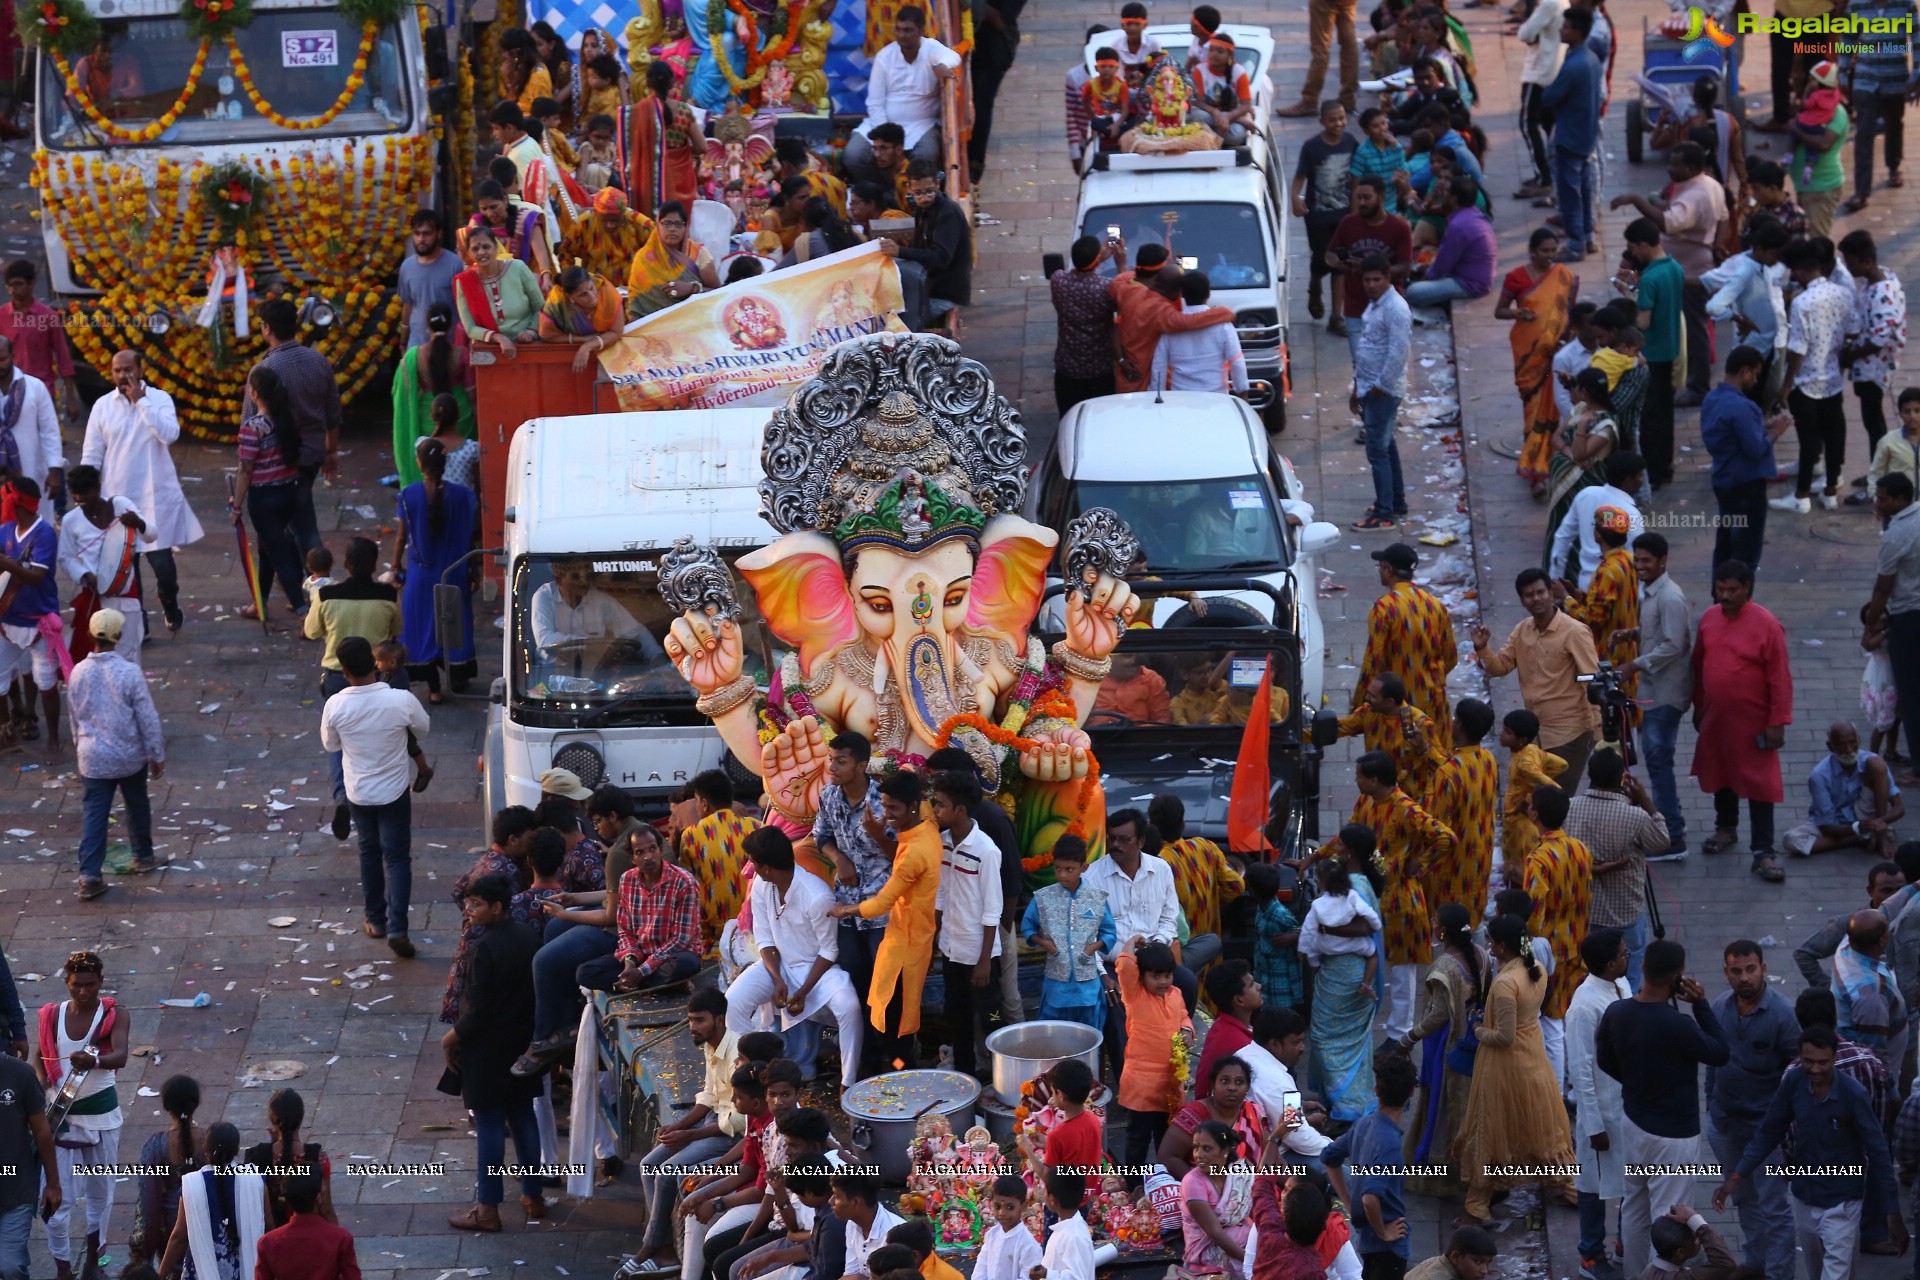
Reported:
(1203, 687)
(1185, 526)
(299, 60)
(1223, 240)
(588, 630)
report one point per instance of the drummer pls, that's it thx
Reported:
(83, 1038)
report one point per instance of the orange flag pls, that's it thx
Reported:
(1252, 777)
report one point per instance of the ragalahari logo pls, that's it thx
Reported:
(1704, 37)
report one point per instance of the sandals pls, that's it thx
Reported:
(1853, 204)
(1720, 842)
(1767, 869)
(1375, 521)
(248, 612)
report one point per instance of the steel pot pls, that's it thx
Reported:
(1025, 1050)
(885, 1110)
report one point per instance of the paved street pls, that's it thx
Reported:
(243, 800)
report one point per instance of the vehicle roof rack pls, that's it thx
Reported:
(1128, 162)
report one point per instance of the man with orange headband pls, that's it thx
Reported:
(1222, 93)
(1108, 99)
(1325, 18)
(1148, 302)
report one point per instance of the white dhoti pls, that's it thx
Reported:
(94, 1190)
(833, 997)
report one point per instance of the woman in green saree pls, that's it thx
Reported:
(435, 367)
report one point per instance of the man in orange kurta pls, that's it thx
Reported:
(1559, 879)
(660, 136)
(1610, 606)
(1409, 840)
(1465, 797)
(907, 900)
(1147, 300)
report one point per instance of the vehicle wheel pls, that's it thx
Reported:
(1636, 130)
(1275, 414)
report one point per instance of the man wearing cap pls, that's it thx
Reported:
(1610, 606)
(1410, 635)
(1817, 133)
(607, 240)
(117, 737)
(1147, 301)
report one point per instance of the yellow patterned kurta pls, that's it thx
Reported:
(822, 183)
(1387, 733)
(1529, 767)
(1613, 604)
(1202, 880)
(1409, 838)
(713, 849)
(1466, 797)
(605, 246)
(1410, 634)
(1559, 879)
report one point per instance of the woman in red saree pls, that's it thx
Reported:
(1537, 298)
(661, 134)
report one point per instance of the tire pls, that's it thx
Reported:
(1275, 415)
(1636, 130)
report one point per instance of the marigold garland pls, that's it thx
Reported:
(779, 45)
(148, 132)
(1089, 785)
(357, 77)
(61, 27)
(216, 19)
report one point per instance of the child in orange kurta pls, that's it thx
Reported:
(907, 900)
(1156, 1014)
(1530, 766)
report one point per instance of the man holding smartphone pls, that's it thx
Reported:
(26, 1157)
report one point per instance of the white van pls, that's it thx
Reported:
(592, 504)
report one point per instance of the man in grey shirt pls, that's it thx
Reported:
(1884, 893)
(426, 276)
(314, 393)
(1896, 594)
(1665, 665)
(1763, 1038)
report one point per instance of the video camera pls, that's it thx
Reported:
(1606, 690)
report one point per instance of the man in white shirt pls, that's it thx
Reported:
(29, 426)
(101, 540)
(371, 723)
(1625, 473)
(1206, 359)
(903, 88)
(970, 900)
(1576, 355)
(128, 434)
(1069, 1251)
(1279, 1043)
(569, 611)
(1140, 893)
(856, 1202)
(1541, 34)
(799, 945)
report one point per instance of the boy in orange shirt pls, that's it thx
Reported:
(1156, 1014)
(1108, 99)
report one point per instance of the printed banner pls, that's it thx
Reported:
(757, 336)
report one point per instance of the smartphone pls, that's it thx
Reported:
(1760, 743)
(1113, 233)
(1189, 264)
(1290, 1106)
(1052, 262)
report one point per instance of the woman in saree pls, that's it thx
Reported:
(498, 298)
(439, 523)
(669, 268)
(1216, 1203)
(1341, 1031)
(435, 368)
(1537, 297)
(550, 48)
(1455, 988)
(1580, 459)
(583, 311)
(223, 1213)
(1223, 1100)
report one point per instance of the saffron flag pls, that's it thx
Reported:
(757, 336)
(1252, 777)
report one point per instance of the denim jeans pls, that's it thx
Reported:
(1573, 194)
(660, 1183)
(274, 509)
(386, 860)
(490, 1128)
(560, 969)
(332, 682)
(1635, 936)
(1377, 416)
(1659, 730)
(95, 805)
(1433, 293)
(16, 1230)
(306, 521)
(1593, 1216)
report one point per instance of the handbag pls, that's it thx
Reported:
(450, 1083)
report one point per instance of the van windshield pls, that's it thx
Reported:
(588, 632)
(299, 60)
(1224, 240)
(1189, 526)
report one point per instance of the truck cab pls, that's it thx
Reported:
(592, 503)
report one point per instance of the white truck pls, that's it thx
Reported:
(592, 505)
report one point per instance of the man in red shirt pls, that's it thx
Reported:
(1147, 299)
(39, 337)
(308, 1247)
(1236, 995)
(1367, 230)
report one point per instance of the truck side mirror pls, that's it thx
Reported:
(1326, 725)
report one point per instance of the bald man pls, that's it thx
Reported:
(1852, 800)
(1871, 1010)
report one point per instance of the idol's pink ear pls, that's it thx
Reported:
(1011, 575)
(803, 594)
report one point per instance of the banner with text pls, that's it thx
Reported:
(734, 344)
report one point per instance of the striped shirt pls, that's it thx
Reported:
(1382, 163)
(258, 446)
(1875, 64)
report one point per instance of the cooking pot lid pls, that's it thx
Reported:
(904, 1095)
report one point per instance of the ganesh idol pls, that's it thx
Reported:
(907, 590)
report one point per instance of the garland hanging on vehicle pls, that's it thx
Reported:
(357, 77)
(215, 19)
(59, 27)
(150, 131)
(234, 194)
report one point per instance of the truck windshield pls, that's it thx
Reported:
(1191, 686)
(299, 60)
(588, 630)
(1224, 240)
(1189, 525)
